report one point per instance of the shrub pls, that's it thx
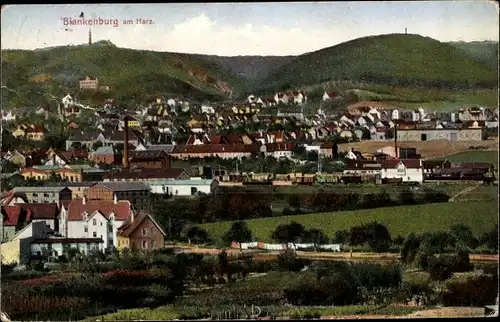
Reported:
(478, 290)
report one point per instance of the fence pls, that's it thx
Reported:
(260, 245)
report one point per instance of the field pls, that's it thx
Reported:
(475, 156)
(480, 216)
(428, 149)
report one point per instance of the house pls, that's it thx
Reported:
(472, 114)
(44, 194)
(89, 83)
(8, 116)
(20, 131)
(17, 250)
(53, 158)
(395, 114)
(138, 193)
(16, 158)
(104, 155)
(278, 150)
(451, 134)
(94, 219)
(182, 187)
(78, 189)
(329, 96)
(146, 174)
(378, 133)
(141, 232)
(43, 212)
(14, 219)
(67, 101)
(431, 166)
(132, 122)
(60, 246)
(35, 133)
(150, 159)
(406, 170)
(362, 167)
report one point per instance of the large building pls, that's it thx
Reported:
(469, 134)
(89, 83)
(138, 193)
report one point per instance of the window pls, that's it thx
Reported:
(153, 244)
(85, 229)
(153, 232)
(94, 234)
(101, 223)
(94, 222)
(144, 232)
(144, 244)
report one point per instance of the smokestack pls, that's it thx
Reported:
(396, 141)
(125, 143)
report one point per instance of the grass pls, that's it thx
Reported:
(387, 59)
(480, 216)
(160, 313)
(475, 156)
(482, 192)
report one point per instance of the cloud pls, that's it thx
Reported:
(202, 35)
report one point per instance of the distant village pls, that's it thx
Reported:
(98, 188)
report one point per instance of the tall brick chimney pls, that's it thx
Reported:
(396, 151)
(125, 143)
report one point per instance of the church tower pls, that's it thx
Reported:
(90, 37)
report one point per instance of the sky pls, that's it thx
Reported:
(232, 29)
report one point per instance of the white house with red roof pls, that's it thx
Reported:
(81, 218)
(329, 96)
(409, 170)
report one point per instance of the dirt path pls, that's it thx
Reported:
(464, 191)
(321, 255)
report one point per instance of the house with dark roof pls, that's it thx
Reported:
(149, 159)
(43, 212)
(84, 218)
(105, 155)
(138, 193)
(141, 232)
(146, 174)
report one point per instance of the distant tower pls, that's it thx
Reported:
(90, 37)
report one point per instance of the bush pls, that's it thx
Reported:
(288, 261)
(478, 290)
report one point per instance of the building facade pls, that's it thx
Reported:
(440, 134)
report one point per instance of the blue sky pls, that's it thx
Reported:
(248, 28)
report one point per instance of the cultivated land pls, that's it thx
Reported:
(480, 216)
(475, 156)
(428, 149)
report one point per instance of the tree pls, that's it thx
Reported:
(314, 236)
(491, 239)
(294, 201)
(239, 232)
(378, 236)
(398, 241)
(463, 236)
(290, 233)
(410, 249)
(341, 237)
(199, 235)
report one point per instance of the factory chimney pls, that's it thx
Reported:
(125, 143)
(396, 151)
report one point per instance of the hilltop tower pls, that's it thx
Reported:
(90, 37)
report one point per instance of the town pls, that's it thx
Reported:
(187, 195)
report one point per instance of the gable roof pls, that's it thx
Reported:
(144, 174)
(130, 226)
(408, 163)
(121, 209)
(123, 186)
(41, 210)
(14, 215)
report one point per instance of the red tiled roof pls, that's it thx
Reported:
(121, 209)
(130, 226)
(13, 215)
(41, 210)
(215, 148)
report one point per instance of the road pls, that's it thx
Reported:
(258, 254)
